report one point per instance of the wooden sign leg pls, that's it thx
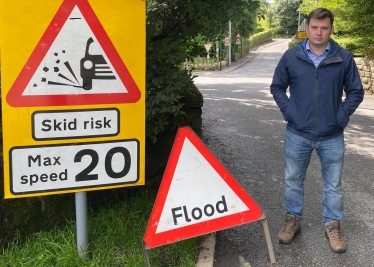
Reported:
(267, 237)
(145, 248)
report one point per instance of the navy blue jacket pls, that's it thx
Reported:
(315, 108)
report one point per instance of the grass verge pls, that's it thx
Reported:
(115, 236)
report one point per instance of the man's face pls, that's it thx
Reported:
(319, 31)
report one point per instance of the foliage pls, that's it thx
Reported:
(336, 6)
(354, 45)
(194, 47)
(171, 25)
(292, 44)
(285, 17)
(260, 38)
(266, 18)
(359, 20)
(116, 234)
(352, 17)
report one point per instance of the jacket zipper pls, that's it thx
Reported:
(315, 106)
(315, 97)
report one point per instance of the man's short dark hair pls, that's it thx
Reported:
(320, 13)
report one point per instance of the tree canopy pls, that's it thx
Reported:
(352, 17)
(285, 16)
(171, 24)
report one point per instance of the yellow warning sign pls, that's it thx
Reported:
(73, 95)
(301, 35)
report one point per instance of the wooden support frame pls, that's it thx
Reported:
(265, 226)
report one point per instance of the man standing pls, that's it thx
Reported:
(317, 71)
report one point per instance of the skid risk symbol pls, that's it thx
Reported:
(94, 67)
(91, 67)
(74, 63)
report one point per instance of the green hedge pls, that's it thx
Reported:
(292, 44)
(354, 45)
(260, 38)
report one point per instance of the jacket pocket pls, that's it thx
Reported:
(343, 119)
(285, 115)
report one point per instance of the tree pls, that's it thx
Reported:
(170, 25)
(358, 20)
(285, 16)
(337, 7)
(352, 17)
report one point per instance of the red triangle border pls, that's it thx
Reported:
(15, 97)
(152, 239)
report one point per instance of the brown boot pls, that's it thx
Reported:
(332, 232)
(290, 229)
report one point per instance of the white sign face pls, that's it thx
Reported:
(51, 125)
(75, 64)
(73, 166)
(197, 193)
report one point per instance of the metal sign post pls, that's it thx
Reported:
(229, 47)
(217, 56)
(81, 216)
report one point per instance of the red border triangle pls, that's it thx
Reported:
(15, 97)
(153, 239)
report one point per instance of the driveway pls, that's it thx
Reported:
(244, 129)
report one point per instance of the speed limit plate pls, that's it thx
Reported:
(47, 168)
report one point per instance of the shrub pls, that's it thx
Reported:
(354, 45)
(291, 44)
(260, 38)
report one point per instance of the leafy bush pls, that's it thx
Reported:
(354, 45)
(260, 38)
(167, 83)
(194, 47)
(170, 26)
(292, 44)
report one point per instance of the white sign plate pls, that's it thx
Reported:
(74, 54)
(192, 200)
(51, 125)
(73, 166)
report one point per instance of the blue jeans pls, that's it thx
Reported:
(297, 154)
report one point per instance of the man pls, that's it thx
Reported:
(317, 71)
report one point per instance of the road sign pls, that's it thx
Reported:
(73, 95)
(301, 35)
(73, 64)
(207, 47)
(238, 41)
(197, 195)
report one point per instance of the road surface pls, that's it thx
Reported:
(244, 129)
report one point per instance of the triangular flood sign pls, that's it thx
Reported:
(74, 63)
(197, 195)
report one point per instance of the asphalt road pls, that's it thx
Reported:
(244, 129)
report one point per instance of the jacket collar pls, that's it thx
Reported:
(334, 48)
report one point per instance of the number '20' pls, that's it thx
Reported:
(86, 175)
